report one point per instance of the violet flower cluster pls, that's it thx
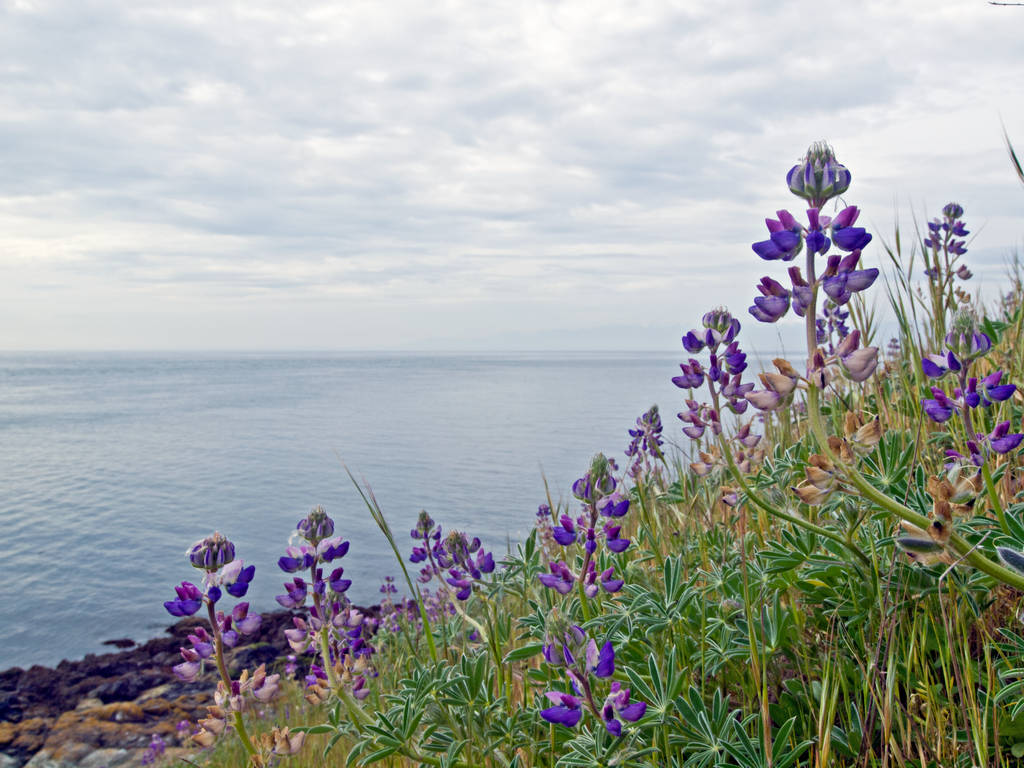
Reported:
(942, 239)
(645, 443)
(215, 555)
(724, 378)
(965, 345)
(584, 663)
(341, 631)
(723, 373)
(455, 559)
(601, 496)
(817, 178)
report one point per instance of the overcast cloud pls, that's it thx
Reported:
(369, 175)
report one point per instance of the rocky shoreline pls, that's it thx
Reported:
(103, 710)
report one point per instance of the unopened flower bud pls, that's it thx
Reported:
(316, 526)
(819, 176)
(211, 553)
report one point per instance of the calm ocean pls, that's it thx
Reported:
(112, 464)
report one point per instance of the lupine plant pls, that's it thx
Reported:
(820, 565)
(215, 556)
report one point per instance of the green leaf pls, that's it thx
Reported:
(524, 652)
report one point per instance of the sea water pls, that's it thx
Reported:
(111, 465)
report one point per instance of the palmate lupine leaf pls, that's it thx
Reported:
(1011, 558)
(750, 754)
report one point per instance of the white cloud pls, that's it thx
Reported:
(242, 174)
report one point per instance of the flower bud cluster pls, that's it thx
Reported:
(818, 177)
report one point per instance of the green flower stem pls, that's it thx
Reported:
(324, 638)
(957, 543)
(583, 601)
(469, 619)
(222, 668)
(993, 498)
(774, 511)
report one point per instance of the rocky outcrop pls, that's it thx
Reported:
(102, 711)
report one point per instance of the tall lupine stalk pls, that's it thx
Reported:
(965, 344)
(818, 178)
(600, 496)
(942, 249)
(338, 631)
(215, 556)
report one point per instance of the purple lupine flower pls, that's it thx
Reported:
(615, 504)
(463, 585)
(952, 211)
(331, 549)
(189, 600)
(339, 584)
(240, 586)
(565, 534)
(693, 343)
(296, 559)
(937, 366)
(965, 343)
(645, 441)
(600, 663)
(720, 328)
(247, 623)
(566, 710)
(994, 390)
(561, 579)
(1001, 440)
(606, 580)
(295, 593)
(773, 302)
(784, 240)
(970, 396)
(802, 294)
(815, 239)
(846, 236)
(841, 280)
(613, 540)
(693, 375)
(939, 407)
(618, 705)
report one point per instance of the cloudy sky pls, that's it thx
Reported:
(467, 174)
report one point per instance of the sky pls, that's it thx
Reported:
(464, 174)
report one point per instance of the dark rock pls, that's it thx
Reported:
(121, 642)
(124, 688)
(251, 656)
